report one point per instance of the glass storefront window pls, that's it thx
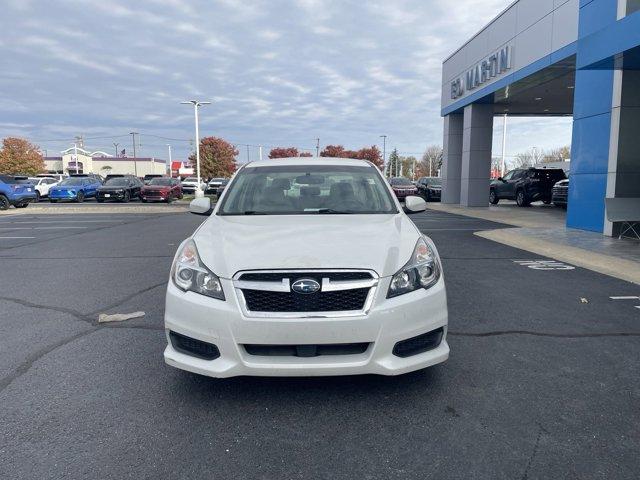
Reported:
(633, 6)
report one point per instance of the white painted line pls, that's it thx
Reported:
(64, 221)
(40, 228)
(7, 238)
(637, 306)
(624, 298)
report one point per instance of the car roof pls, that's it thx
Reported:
(351, 162)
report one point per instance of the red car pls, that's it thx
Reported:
(403, 187)
(161, 189)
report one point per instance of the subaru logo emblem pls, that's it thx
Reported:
(305, 285)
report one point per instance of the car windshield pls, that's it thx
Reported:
(160, 181)
(191, 179)
(307, 189)
(27, 181)
(400, 181)
(117, 182)
(72, 181)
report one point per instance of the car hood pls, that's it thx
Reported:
(109, 188)
(229, 244)
(155, 188)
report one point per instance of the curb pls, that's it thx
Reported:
(612, 266)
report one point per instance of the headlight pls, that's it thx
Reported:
(72, 192)
(422, 271)
(190, 274)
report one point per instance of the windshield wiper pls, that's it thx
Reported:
(331, 210)
(253, 212)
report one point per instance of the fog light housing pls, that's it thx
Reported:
(195, 348)
(420, 344)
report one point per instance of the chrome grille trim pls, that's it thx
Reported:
(327, 286)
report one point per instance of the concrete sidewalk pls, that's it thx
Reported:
(542, 231)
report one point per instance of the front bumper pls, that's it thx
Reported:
(405, 193)
(111, 196)
(62, 195)
(222, 323)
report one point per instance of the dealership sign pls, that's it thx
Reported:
(495, 64)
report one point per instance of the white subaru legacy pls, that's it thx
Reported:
(306, 267)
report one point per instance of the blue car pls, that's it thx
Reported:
(14, 193)
(75, 189)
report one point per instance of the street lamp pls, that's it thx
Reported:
(196, 104)
(170, 162)
(384, 152)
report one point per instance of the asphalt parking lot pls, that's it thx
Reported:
(543, 379)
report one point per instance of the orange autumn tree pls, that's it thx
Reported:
(217, 158)
(19, 156)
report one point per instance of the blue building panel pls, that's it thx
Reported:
(595, 15)
(586, 201)
(593, 93)
(590, 144)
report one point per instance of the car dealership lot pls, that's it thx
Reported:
(543, 379)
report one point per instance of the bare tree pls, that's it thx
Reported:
(559, 154)
(431, 160)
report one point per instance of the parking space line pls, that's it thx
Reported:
(41, 228)
(625, 298)
(14, 238)
(62, 221)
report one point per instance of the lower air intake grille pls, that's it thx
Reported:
(420, 344)
(336, 301)
(193, 347)
(306, 350)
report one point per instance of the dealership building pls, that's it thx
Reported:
(577, 58)
(79, 160)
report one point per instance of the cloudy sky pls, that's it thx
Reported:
(279, 72)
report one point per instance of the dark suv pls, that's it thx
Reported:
(525, 185)
(430, 188)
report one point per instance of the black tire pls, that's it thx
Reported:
(37, 196)
(521, 198)
(546, 202)
(127, 197)
(80, 197)
(4, 203)
(22, 205)
(53, 200)
(493, 198)
(99, 200)
(143, 200)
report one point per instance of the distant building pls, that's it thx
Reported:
(82, 161)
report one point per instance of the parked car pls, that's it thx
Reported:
(58, 176)
(75, 189)
(430, 188)
(120, 189)
(347, 295)
(402, 187)
(12, 192)
(94, 176)
(190, 184)
(42, 185)
(221, 188)
(150, 176)
(213, 184)
(560, 193)
(525, 185)
(164, 189)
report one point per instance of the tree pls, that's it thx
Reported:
(106, 168)
(20, 156)
(283, 152)
(217, 157)
(371, 154)
(431, 161)
(336, 151)
(560, 154)
(529, 158)
(408, 166)
(393, 168)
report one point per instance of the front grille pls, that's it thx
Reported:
(560, 192)
(306, 351)
(341, 300)
(292, 276)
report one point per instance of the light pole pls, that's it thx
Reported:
(317, 147)
(384, 152)
(196, 104)
(116, 147)
(170, 163)
(135, 162)
(504, 145)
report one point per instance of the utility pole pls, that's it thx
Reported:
(75, 155)
(170, 163)
(116, 147)
(135, 162)
(317, 147)
(196, 104)
(504, 145)
(384, 152)
(260, 151)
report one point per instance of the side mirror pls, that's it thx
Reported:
(500, 179)
(201, 206)
(414, 204)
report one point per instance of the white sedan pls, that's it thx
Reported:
(306, 267)
(42, 186)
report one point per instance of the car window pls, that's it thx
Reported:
(307, 189)
(509, 175)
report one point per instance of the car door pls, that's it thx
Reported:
(90, 187)
(502, 186)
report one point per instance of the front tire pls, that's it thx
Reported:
(37, 196)
(546, 202)
(4, 203)
(493, 198)
(53, 200)
(22, 205)
(127, 197)
(521, 198)
(80, 197)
